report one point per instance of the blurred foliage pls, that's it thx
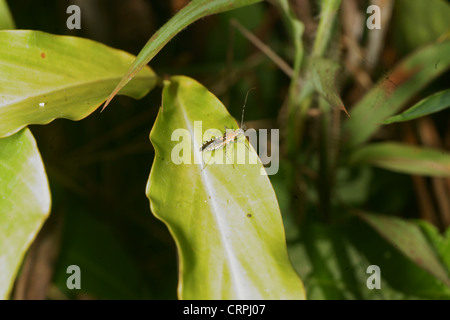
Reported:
(98, 167)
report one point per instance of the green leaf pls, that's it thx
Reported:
(192, 12)
(224, 218)
(398, 271)
(333, 261)
(393, 92)
(434, 103)
(6, 19)
(440, 242)
(323, 74)
(429, 17)
(408, 238)
(328, 12)
(43, 77)
(296, 29)
(24, 202)
(404, 158)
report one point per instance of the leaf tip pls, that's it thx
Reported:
(111, 96)
(121, 84)
(106, 103)
(342, 107)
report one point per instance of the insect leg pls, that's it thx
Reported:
(226, 154)
(203, 163)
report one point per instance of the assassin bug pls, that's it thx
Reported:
(228, 137)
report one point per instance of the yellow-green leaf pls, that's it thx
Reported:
(6, 19)
(224, 218)
(24, 202)
(44, 76)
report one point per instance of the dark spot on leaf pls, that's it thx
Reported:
(43, 55)
(436, 64)
(249, 215)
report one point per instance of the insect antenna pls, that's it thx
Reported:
(243, 108)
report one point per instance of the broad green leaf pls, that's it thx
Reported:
(404, 158)
(408, 238)
(393, 92)
(323, 74)
(24, 202)
(429, 105)
(44, 76)
(224, 218)
(192, 12)
(6, 19)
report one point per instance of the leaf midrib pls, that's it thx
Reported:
(71, 86)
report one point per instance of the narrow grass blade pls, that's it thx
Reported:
(192, 12)
(394, 91)
(434, 103)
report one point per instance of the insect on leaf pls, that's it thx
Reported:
(225, 219)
